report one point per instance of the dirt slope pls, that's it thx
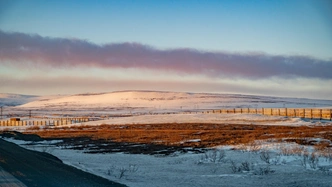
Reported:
(42, 169)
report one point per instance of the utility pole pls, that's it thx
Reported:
(29, 114)
(1, 111)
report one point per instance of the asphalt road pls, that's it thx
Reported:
(8, 180)
(22, 167)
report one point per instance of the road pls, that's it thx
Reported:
(22, 167)
(8, 180)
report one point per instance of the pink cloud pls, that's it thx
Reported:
(45, 52)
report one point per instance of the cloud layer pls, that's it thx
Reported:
(33, 50)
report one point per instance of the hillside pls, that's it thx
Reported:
(157, 100)
(7, 99)
(12, 100)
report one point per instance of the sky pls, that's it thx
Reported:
(261, 47)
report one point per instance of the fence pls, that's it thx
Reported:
(308, 113)
(49, 122)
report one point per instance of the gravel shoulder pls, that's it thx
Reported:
(34, 168)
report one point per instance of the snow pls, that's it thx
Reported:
(142, 104)
(183, 169)
(10, 100)
(7, 99)
(194, 169)
(154, 100)
(252, 119)
(208, 118)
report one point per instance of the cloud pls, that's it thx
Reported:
(24, 50)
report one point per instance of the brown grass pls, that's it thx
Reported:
(179, 134)
(33, 128)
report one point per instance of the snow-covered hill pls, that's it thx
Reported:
(169, 101)
(7, 99)
(12, 100)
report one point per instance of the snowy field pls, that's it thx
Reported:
(145, 102)
(249, 119)
(141, 105)
(262, 163)
(254, 119)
